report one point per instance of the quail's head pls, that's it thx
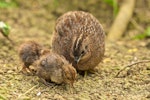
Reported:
(81, 50)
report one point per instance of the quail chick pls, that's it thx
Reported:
(55, 68)
(29, 52)
(79, 37)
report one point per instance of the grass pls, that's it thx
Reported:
(8, 4)
(114, 4)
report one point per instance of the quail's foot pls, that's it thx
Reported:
(25, 71)
(45, 82)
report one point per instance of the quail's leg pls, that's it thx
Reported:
(92, 71)
(85, 73)
(24, 70)
(31, 71)
(45, 82)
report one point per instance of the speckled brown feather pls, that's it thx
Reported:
(75, 28)
(29, 52)
(55, 68)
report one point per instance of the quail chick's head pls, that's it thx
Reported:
(69, 74)
(29, 52)
(55, 68)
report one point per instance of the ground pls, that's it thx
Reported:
(37, 22)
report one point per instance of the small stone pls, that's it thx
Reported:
(38, 94)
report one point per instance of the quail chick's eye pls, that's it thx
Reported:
(86, 47)
(68, 78)
(43, 62)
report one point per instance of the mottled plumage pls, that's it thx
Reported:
(29, 52)
(55, 68)
(79, 37)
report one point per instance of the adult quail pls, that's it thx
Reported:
(29, 52)
(55, 68)
(79, 37)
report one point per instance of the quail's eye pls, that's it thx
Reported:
(82, 52)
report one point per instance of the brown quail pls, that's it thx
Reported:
(79, 37)
(55, 68)
(29, 52)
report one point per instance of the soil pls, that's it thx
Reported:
(35, 20)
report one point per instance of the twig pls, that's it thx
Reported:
(135, 63)
(135, 24)
(28, 90)
(11, 41)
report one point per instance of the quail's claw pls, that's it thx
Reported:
(25, 71)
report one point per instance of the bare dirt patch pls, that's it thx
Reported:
(32, 23)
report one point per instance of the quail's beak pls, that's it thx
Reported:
(76, 59)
